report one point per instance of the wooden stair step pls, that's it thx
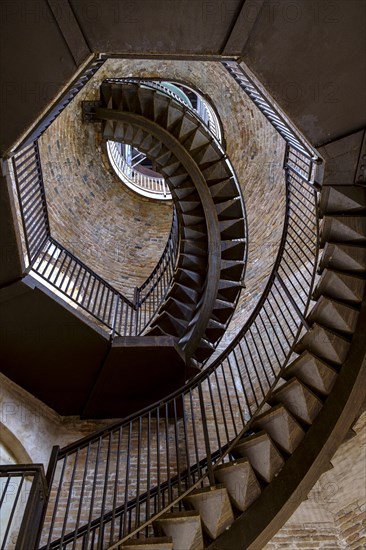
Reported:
(214, 507)
(199, 248)
(184, 128)
(174, 115)
(224, 190)
(183, 527)
(240, 481)
(334, 315)
(170, 324)
(285, 431)
(222, 310)
(184, 292)
(262, 453)
(232, 229)
(343, 257)
(214, 330)
(206, 156)
(146, 102)
(216, 172)
(179, 309)
(204, 350)
(232, 269)
(228, 290)
(230, 209)
(338, 229)
(324, 343)
(193, 261)
(189, 277)
(342, 199)
(313, 372)
(233, 250)
(161, 104)
(198, 140)
(299, 400)
(340, 286)
(193, 217)
(152, 543)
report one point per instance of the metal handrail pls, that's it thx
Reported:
(148, 186)
(71, 278)
(136, 488)
(174, 423)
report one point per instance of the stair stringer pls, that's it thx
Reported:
(261, 521)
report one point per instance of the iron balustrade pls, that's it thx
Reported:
(70, 277)
(148, 186)
(151, 294)
(23, 496)
(144, 466)
(111, 485)
(67, 96)
(28, 176)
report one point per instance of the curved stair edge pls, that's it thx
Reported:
(301, 471)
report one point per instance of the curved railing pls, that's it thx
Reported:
(145, 465)
(72, 279)
(148, 186)
(155, 187)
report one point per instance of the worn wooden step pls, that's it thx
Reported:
(214, 330)
(184, 128)
(344, 257)
(224, 190)
(222, 310)
(230, 209)
(198, 140)
(205, 156)
(214, 507)
(183, 527)
(285, 431)
(233, 250)
(299, 400)
(334, 315)
(192, 261)
(184, 292)
(170, 324)
(346, 229)
(174, 115)
(204, 350)
(216, 172)
(153, 543)
(342, 199)
(199, 248)
(161, 109)
(189, 277)
(324, 343)
(231, 269)
(178, 309)
(262, 453)
(340, 286)
(240, 481)
(316, 374)
(228, 290)
(232, 229)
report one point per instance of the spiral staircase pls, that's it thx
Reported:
(224, 460)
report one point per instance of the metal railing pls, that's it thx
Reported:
(148, 186)
(23, 496)
(68, 276)
(111, 485)
(145, 465)
(205, 113)
(66, 98)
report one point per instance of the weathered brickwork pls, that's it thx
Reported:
(124, 234)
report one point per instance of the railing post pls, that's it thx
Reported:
(137, 305)
(211, 476)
